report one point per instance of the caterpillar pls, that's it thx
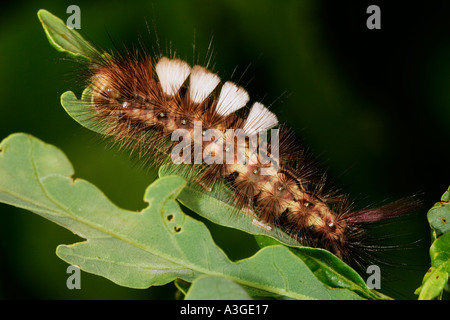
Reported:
(162, 108)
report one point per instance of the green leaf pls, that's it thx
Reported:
(77, 109)
(439, 216)
(329, 269)
(436, 278)
(440, 250)
(140, 249)
(65, 39)
(446, 196)
(216, 288)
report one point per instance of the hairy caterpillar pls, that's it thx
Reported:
(150, 105)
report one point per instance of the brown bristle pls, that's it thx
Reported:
(388, 211)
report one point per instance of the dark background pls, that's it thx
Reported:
(372, 105)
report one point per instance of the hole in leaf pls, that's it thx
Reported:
(442, 219)
(170, 217)
(177, 229)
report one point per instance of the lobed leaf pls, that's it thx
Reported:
(140, 249)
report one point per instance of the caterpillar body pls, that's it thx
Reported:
(163, 107)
